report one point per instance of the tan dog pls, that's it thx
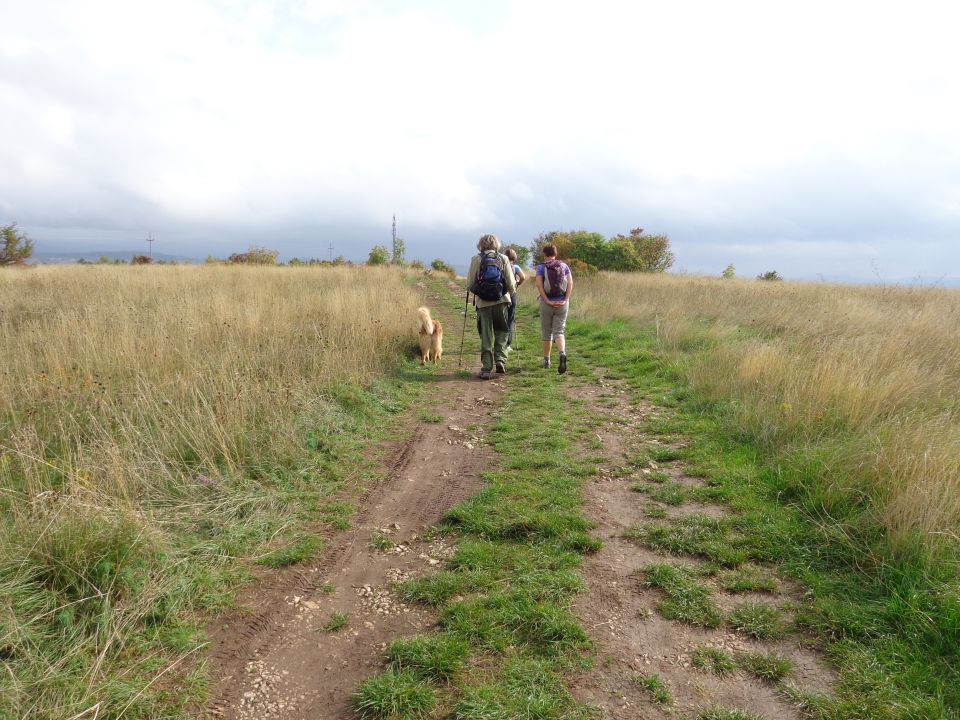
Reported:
(431, 337)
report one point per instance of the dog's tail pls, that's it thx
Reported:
(426, 322)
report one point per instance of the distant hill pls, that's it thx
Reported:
(72, 256)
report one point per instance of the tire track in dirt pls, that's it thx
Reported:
(619, 613)
(279, 659)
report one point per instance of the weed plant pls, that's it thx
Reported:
(713, 660)
(655, 687)
(687, 599)
(770, 668)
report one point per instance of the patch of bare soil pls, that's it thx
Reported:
(285, 656)
(619, 612)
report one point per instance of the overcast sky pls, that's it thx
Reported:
(808, 137)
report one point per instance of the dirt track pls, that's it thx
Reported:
(618, 611)
(277, 660)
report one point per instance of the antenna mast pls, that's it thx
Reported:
(394, 246)
(151, 241)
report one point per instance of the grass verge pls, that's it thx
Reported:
(888, 619)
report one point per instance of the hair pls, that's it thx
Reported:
(550, 250)
(511, 254)
(488, 242)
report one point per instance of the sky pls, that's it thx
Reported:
(820, 139)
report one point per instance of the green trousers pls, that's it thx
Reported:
(493, 334)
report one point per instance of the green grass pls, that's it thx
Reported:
(654, 512)
(713, 660)
(338, 621)
(429, 417)
(380, 541)
(655, 687)
(747, 579)
(687, 599)
(725, 714)
(770, 668)
(672, 493)
(394, 696)
(696, 535)
(758, 620)
(663, 454)
(296, 552)
(438, 657)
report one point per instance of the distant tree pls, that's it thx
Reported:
(416, 265)
(555, 237)
(141, 260)
(15, 247)
(523, 253)
(398, 256)
(255, 256)
(379, 255)
(84, 261)
(770, 276)
(296, 262)
(729, 272)
(441, 266)
(103, 260)
(212, 260)
(653, 251)
(635, 252)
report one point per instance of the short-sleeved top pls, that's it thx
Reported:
(554, 294)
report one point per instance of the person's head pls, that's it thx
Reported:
(550, 251)
(488, 243)
(511, 255)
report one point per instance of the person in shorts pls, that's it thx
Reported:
(555, 285)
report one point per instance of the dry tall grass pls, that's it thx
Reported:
(864, 379)
(141, 407)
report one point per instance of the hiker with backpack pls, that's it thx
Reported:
(519, 277)
(493, 286)
(555, 285)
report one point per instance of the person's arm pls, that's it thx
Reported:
(520, 277)
(543, 293)
(472, 272)
(566, 298)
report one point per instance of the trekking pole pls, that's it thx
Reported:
(463, 331)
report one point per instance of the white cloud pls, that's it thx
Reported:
(315, 112)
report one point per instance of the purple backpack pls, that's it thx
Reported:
(554, 279)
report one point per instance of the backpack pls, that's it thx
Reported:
(554, 279)
(489, 284)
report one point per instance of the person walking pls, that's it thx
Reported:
(519, 277)
(493, 286)
(555, 285)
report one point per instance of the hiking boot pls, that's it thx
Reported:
(563, 364)
(546, 362)
(484, 374)
(501, 369)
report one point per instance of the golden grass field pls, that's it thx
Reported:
(863, 381)
(152, 425)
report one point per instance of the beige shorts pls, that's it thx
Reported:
(553, 320)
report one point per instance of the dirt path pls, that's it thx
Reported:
(282, 657)
(618, 611)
